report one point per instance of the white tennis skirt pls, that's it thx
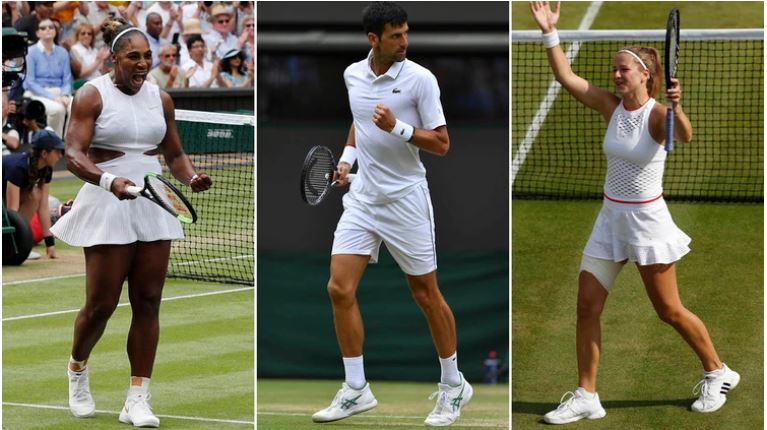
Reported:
(99, 218)
(643, 233)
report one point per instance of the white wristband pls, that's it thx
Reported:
(349, 155)
(403, 131)
(106, 180)
(551, 40)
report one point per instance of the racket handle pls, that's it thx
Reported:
(669, 130)
(136, 191)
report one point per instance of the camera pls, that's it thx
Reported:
(14, 51)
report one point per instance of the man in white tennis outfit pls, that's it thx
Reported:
(397, 112)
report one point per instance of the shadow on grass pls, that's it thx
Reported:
(534, 408)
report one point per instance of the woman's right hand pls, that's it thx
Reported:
(544, 16)
(120, 188)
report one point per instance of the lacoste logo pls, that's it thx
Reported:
(396, 91)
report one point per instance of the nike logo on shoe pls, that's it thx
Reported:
(395, 91)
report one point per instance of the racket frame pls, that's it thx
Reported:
(672, 58)
(152, 194)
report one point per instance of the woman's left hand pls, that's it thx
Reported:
(50, 251)
(200, 182)
(674, 94)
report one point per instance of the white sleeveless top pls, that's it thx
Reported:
(130, 124)
(635, 160)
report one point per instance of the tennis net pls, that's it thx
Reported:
(557, 142)
(219, 246)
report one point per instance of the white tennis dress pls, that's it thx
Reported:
(634, 223)
(132, 125)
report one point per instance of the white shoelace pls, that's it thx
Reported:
(142, 402)
(703, 388)
(564, 404)
(441, 402)
(82, 390)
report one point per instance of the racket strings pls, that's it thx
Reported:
(318, 176)
(169, 198)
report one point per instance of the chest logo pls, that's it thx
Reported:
(396, 91)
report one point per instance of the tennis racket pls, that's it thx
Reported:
(672, 57)
(317, 175)
(160, 191)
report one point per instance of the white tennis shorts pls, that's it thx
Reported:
(99, 218)
(406, 226)
(643, 233)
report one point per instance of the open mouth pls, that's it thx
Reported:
(138, 78)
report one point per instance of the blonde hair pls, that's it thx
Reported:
(84, 25)
(651, 59)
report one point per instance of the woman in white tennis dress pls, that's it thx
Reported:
(119, 123)
(634, 223)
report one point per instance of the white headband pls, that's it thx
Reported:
(120, 34)
(635, 56)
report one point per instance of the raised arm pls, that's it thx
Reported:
(591, 96)
(178, 162)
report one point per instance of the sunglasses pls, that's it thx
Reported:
(86, 33)
(223, 21)
(46, 27)
(250, 25)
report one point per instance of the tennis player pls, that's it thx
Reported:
(634, 223)
(118, 126)
(397, 112)
(26, 176)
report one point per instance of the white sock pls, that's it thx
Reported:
(449, 367)
(585, 393)
(139, 386)
(79, 364)
(355, 372)
(715, 373)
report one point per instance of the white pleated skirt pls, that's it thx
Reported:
(642, 233)
(99, 218)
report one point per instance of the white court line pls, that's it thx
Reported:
(551, 95)
(177, 417)
(463, 421)
(51, 278)
(167, 299)
(184, 263)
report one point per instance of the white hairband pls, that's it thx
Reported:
(635, 56)
(120, 34)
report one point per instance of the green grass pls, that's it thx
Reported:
(647, 371)
(204, 365)
(289, 405)
(722, 84)
(652, 15)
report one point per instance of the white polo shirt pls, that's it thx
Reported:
(389, 168)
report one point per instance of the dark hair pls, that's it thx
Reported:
(194, 38)
(226, 65)
(379, 13)
(116, 26)
(651, 59)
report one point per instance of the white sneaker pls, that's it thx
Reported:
(576, 407)
(450, 401)
(713, 390)
(81, 402)
(347, 402)
(33, 255)
(138, 412)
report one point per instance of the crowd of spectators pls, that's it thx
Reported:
(194, 44)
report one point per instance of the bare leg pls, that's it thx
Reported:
(106, 267)
(660, 283)
(438, 314)
(588, 337)
(145, 284)
(345, 273)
